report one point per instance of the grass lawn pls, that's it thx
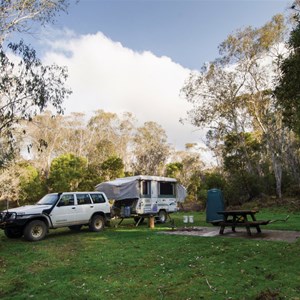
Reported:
(138, 263)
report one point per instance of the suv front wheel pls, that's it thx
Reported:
(13, 233)
(35, 231)
(97, 223)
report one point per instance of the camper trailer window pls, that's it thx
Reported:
(166, 189)
(145, 186)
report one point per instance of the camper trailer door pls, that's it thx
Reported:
(154, 196)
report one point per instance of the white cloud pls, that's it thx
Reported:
(103, 74)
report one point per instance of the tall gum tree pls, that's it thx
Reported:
(27, 87)
(21, 15)
(150, 149)
(288, 88)
(231, 95)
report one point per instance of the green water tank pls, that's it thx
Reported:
(214, 203)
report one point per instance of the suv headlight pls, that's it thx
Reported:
(5, 216)
(13, 216)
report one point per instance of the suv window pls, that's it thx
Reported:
(97, 198)
(83, 199)
(66, 200)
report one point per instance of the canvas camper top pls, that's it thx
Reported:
(127, 187)
(140, 177)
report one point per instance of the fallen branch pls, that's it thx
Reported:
(280, 220)
(210, 286)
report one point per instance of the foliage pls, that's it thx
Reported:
(27, 87)
(112, 168)
(47, 136)
(240, 153)
(21, 183)
(174, 169)
(210, 179)
(232, 96)
(239, 149)
(110, 134)
(288, 89)
(10, 183)
(18, 15)
(32, 185)
(151, 149)
(67, 172)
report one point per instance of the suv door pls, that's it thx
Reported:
(101, 203)
(85, 208)
(64, 211)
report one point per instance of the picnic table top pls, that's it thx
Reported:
(238, 212)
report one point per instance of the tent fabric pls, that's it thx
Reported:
(128, 187)
(119, 189)
(180, 192)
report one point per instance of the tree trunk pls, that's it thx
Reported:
(277, 167)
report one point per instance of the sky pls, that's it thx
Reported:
(135, 55)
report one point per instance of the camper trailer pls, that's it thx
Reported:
(141, 196)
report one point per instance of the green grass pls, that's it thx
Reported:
(138, 263)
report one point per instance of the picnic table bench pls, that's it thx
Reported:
(240, 218)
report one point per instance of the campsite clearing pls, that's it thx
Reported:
(136, 262)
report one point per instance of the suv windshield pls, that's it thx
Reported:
(48, 199)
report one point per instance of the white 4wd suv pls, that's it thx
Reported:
(72, 209)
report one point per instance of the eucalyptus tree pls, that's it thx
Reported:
(45, 134)
(67, 173)
(288, 88)
(21, 183)
(76, 137)
(21, 15)
(112, 168)
(187, 167)
(150, 149)
(232, 95)
(110, 135)
(27, 87)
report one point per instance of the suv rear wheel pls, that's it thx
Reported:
(35, 231)
(97, 223)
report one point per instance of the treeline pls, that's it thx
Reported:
(74, 153)
(247, 98)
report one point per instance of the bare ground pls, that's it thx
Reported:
(268, 235)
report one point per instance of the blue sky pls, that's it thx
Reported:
(187, 31)
(134, 56)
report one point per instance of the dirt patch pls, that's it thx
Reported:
(270, 235)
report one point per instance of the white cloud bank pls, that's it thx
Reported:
(103, 74)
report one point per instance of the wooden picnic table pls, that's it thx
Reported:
(240, 218)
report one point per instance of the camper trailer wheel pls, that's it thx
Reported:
(162, 216)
